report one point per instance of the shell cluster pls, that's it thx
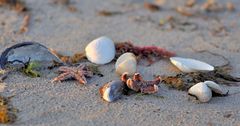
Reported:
(100, 50)
(127, 62)
(203, 91)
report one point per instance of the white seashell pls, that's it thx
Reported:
(214, 87)
(201, 91)
(111, 91)
(190, 65)
(100, 50)
(126, 63)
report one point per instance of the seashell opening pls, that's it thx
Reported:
(190, 65)
(100, 50)
(201, 91)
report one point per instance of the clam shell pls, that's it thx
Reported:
(190, 65)
(100, 50)
(126, 63)
(214, 87)
(201, 91)
(23, 51)
(111, 91)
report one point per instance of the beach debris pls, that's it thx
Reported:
(230, 6)
(7, 111)
(3, 75)
(171, 23)
(101, 50)
(112, 90)
(137, 83)
(108, 13)
(190, 65)
(19, 54)
(2, 86)
(127, 62)
(30, 69)
(152, 7)
(219, 31)
(66, 3)
(201, 91)
(190, 3)
(151, 53)
(185, 11)
(17, 5)
(25, 24)
(212, 6)
(205, 90)
(183, 81)
(76, 58)
(80, 73)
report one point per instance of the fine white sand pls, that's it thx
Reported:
(68, 103)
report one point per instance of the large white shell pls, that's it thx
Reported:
(214, 87)
(126, 63)
(190, 65)
(100, 50)
(201, 91)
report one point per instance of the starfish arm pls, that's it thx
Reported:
(64, 69)
(61, 77)
(81, 79)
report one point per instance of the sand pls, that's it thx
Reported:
(42, 103)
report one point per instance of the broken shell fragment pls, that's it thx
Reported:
(100, 50)
(111, 91)
(190, 65)
(201, 91)
(23, 52)
(215, 87)
(126, 63)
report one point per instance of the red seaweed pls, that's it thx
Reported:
(151, 53)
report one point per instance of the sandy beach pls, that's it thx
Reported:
(42, 103)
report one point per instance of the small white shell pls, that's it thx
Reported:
(201, 91)
(214, 87)
(190, 65)
(100, 50)
(126, 63)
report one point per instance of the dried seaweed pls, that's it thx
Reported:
(66, 3)
(173, 23)
(185, 11)
(30, 69)
(77, 57)
(183, 81)
(25, 24)
(3, 75)
(7, 111)
(108, 13)
(152, 7)
(151, 53)
(17, 5)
